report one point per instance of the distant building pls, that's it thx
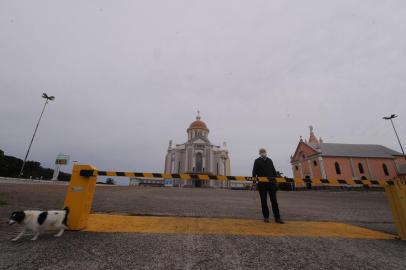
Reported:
(138, 181)
(198, 155)
(317, 159)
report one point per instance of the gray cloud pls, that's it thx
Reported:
(130, 75)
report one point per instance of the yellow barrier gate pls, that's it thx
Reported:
(79, 197)
(82, 186)
(397, 202)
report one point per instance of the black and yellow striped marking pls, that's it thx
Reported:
(278, 180)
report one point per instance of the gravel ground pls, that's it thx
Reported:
(82, 250)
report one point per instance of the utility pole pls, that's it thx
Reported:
(47, 99)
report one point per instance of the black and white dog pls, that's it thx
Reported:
(40, 221)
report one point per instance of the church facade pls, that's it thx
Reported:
(315, 158)
(198, 155)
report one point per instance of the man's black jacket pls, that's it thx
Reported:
(263, 167)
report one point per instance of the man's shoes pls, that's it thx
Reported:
(266, 220)
(280, 221)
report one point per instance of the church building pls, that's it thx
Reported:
(198, 155)
(315, 158)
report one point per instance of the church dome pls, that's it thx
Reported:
(198, 123)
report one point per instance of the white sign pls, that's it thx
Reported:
(61, 160)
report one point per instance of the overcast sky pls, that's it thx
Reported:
(128, 76)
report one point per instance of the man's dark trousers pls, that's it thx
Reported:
(264, 190)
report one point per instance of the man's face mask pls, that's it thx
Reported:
(263, 154)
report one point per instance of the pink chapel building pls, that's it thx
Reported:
(314, 158)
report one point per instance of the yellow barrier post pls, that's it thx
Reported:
(79, 197)
(397, 202)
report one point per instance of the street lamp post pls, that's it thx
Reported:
(397, 136)
(47, 99)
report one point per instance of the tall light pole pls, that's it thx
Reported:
(397, 136)
(47, 99)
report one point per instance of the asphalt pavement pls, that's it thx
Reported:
(95, 250)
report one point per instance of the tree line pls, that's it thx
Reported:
(10, 167)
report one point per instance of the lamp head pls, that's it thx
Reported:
(390, 117)
(44, 95)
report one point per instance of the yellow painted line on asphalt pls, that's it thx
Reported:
(217, 226)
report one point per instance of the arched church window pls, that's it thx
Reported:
(361, 168)
(385, 169)
(338, 168)
(199, 162)
(315, 163)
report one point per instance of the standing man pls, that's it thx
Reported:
(263, 167)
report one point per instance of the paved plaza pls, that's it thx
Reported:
(171, 228)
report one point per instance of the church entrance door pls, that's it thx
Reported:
(198, 183)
